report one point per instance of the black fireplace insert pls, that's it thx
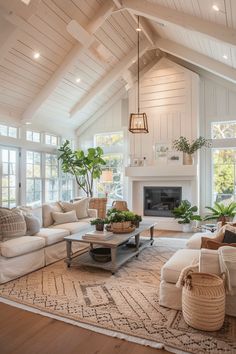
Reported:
(160, 201)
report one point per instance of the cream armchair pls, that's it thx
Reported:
(208, 262)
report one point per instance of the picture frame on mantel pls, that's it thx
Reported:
(161, 152)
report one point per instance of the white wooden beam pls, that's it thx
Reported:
(156, 12)
(104, 108)
(113, 75)
(197, 59)
(68, 62)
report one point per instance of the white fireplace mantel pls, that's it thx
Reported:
(170, 171)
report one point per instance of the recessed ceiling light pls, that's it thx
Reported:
(225, 56)
(28, 123)
(36, 55)
(78, 79)
(133, 61)
(26, 2)
(138, 29)
(216, 8)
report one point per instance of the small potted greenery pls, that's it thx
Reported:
(99, 223)
(185, 213)
(221, 212)
(137, 220)
(190, 147)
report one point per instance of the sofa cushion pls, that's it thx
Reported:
(63, 218)
(47, 210)
(32, 224)
(52, 236)
(12, 224)
(21, 245)
(182, 258)
(229, 237)
(195, 241)
(72, 227)
(80, 206)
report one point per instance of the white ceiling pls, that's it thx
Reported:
(42, 27)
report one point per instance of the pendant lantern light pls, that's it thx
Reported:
(138, 121)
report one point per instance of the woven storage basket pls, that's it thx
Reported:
(100, 204)
(203, 301)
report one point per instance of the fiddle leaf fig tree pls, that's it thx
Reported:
(84, 166)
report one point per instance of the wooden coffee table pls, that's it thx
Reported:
(120, 253)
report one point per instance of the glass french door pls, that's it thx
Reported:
(9, 177)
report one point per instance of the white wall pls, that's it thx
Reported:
(169, 96)
(217, 103)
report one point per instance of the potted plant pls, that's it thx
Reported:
(84, 166)
(189, 147)
(221, 212)
(120, 220)
(99, 223)
(185, 213)
(137, 220)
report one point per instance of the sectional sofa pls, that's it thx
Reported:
(22, 255)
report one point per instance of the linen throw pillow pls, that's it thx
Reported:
(12, 224)
(47, 210)
(229, 237)
(63, 218)
(80, 206)
(32, 225)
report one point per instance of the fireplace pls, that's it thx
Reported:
(160, 201)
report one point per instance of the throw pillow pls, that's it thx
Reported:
(229, 237)
(12, 224)
(222, 230)
(32, 225)
(80, 206)
(63, 218)
(47, 210)
(214, 245)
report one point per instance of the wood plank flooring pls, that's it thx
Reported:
(23, 332)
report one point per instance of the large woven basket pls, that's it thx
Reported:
(203, 301)
(100, 204)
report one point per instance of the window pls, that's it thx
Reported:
(8, 175)
(33, 178)
(33, 136)
(224, 162)
(67, 187)
(112, 145)
(51, 178)
(51, 139)
(6, 130)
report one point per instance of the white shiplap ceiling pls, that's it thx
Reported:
(46, 89)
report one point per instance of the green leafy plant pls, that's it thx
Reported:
(99, 221)
(85, 167)
(189, 147)
(221, 212)
(114, 215)
(185, 213)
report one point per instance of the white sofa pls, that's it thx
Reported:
(208, 260)
(25, 254)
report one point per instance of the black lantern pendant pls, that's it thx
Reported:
(138, 121)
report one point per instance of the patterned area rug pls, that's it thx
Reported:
(126, 302)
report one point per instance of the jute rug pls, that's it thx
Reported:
(124, 303)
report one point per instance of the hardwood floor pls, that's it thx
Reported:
(23, 332)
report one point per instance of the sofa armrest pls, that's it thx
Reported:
(195, 241)
(209, 261)
(92, 213)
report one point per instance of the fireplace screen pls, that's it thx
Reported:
(160, 201)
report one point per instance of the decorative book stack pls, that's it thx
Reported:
(97, 235)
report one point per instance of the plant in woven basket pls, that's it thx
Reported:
(185, 213)
(120, 219)
(221, 212)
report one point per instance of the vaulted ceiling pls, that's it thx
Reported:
(87, 51)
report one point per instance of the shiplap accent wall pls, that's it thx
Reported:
(217, 103)
(169, 96)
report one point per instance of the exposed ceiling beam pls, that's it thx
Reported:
(146, 29)
(112, 76)
(197, 59)
(115, 98)
(69, 61)
(156, 12)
